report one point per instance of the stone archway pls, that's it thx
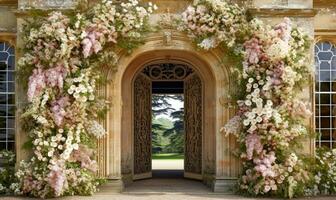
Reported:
(127, 139)
(115, 153)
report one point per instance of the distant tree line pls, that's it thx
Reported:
(167, 134)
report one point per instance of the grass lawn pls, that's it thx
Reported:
(168, 156)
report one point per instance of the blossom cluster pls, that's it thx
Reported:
(63, 53)
(270, 115)
(325, 173)
(214, 22)
(274, 115)
(7, 159)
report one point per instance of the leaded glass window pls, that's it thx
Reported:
(7, 96)
(325, 95)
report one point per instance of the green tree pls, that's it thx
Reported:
(176, 133)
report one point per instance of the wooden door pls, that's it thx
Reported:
(142, 127)
(193, 119)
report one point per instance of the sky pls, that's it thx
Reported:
(177, 105)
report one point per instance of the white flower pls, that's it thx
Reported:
(94, 128)
(50, 153)
(75, 146)
(248, 103)
(208, 43)
(278, 50)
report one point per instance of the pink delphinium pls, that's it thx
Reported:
(57, 179)
(277, 73)
(253, 143)
(284, 29)
(83, 155)
(55, 76)
(58, 109)
(91, 43)
(36, 84)
(265, 164)
(253, 50)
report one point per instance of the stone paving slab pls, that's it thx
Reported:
(168, 164)
(164, 197)
(164, 189)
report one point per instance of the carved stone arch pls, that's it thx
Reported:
(218, 161)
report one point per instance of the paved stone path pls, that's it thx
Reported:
(164, 186)
(168, 164)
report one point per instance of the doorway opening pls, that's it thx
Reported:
(177, 146)
(168, 129)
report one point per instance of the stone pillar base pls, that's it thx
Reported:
(112, 186)
(225, 186)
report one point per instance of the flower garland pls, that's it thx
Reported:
(62, 57)
(62, 53)
(271, 116)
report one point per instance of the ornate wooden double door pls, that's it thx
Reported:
(193, 117)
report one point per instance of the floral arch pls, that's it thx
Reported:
(63, 52)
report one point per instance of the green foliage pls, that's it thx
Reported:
(167, 135)
(88, 140)
(167, 156)
(7, 162)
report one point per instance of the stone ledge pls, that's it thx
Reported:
(8, 2)
(112, 186)
(9, 37)
(280, 12)
(224, 186)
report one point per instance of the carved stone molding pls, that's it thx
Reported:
(324, 3)
(9, 2)
(46, 4)
(279, 12)
(327, 36)
(8, 37)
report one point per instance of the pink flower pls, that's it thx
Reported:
(55, 76)
(265, 165)
(299, 109)
(277, 73)
(91, 43)
(253, 51)
(284, 30)
(57, 179)
(58, 109)
(83, 155)
(253, 143)
(36, 84)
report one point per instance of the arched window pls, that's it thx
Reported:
(325, 94)
(7, 96)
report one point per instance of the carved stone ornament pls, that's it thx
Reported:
(46, 4)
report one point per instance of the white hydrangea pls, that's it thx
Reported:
(233, 126)
(278, 50)
(208, 43)
(95, 129)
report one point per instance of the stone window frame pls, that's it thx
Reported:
(324, 36)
